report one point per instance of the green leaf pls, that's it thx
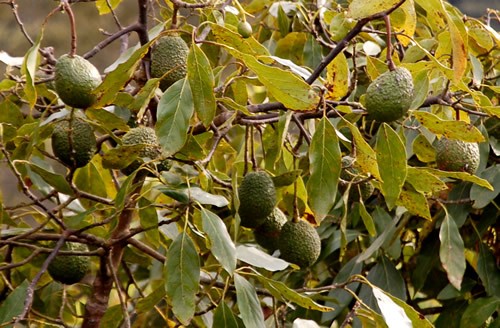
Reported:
(386, 234)
(182, 277)
(222, 246)
(451, 129)
(358, 8)
(283, 21)
(488, 271)
(483, 196)
(282, 292)
(258, 258)
(451, 251)
(13, 305)
(366, 158)
(248, 303)
(201, 81)
(92, 178)
(367, 219)
(121, 157)
(324, 156)
(175, 109)
(460, 175)
(107, 119)
(423, 181)
(55, 180)
(142, 99)
(391, 159)
(29, 69)
(149, 219)
(286, 179)
(479, 311)
(145, 304)
(421, 89)
(233, 40)
(394, 315)
(224, 317)
(414, 201)
(186, 194)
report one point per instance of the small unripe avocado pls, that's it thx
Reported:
(268, 233)
(74, 142)
(75, 79)
(299, 243)
(169, 55)
(142, 135)
(257, 196)
(390, 95)
(245, 29)
(351, 173)
(70, 269)
(457, 156)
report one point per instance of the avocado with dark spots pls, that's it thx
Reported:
(169, 60)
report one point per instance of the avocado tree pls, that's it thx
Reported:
(373, 128)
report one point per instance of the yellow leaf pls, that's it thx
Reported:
(450, 129)
(408, 24)
(337, 78)
(360, 9)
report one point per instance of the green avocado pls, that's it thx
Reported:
(351, 173)
(268, 233)
(457, 156)
(75, 79)
(74, 142)
(257, 196)
(299, 243)
(390, 95)
(70, 269)
(169, 55)
(245, 29)
(151, 150)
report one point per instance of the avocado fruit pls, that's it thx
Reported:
(268, 233)
(257, 196)
(151, 150)
(244, 29)
(351, 173)
(70, 269)
(169, 56)
(299, 243)
(457, 155)
(73, 141)
(75, 79)
(390, 95)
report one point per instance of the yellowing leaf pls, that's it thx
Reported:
(360, 8)
(235, 41)
(337, 77)
(415, 202)
(450, 129)
(424, 181)
(406, 25)
(451, 251)
(104, 8)
(460, 175)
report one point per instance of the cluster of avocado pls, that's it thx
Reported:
(298, 242)
(70, 269)
(390, 95)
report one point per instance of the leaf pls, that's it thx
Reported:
(143, 97)
(55, 180)
(104, 8)
(451, 251)
(381, 239)
(182, 277)
(483, 196)
(121, 157)
(460, 175)
(107, 119)
(451, 129)
(282, 292)
(394, 315)
(488, 271)
(248, 303)
(415, 202)
(337, 77)
(186, 194)
(366, 158)
(408, 24)
(258, 258)
(224, 317)
(459, 40)
(391, 159)
(478, 312)
(29, 69)
(222, 246)
(423, 149)
(149, 221)
(421, 87)
(424, 181)
(358, 8)
(324, 156)
(201, 81)
(286, 179)
(145, 304)
(234, 41)
(13, 305)
(367, 219)
(175, 109)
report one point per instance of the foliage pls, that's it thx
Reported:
(166, 245)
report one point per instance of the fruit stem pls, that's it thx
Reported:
(67, 8)
(390, 63)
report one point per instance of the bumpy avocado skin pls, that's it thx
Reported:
(299, 243)
(268, 233)
(257, 196)
(70, 269)
(390, 95)
(75, 79)
(74, 142)
(142, 135)
(349, 173)
(457, 156)
(169, 53)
